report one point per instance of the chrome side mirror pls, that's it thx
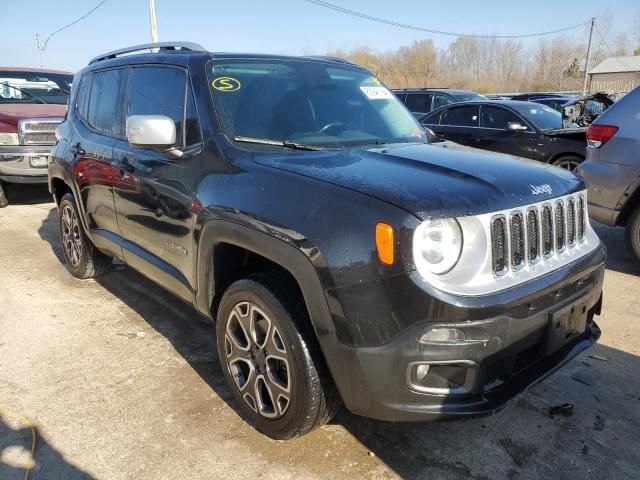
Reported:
(153, 132)
(516, 127)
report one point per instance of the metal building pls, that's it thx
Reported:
(615, 75)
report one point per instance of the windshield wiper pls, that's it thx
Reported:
(24, 91)
(277, 143)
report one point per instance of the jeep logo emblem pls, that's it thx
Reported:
(540, 189)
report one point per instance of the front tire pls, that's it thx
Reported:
(633, 233)
(82, 259)
(3, 195)
(270, 360)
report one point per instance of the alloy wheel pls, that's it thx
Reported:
(71, 238)
(258, 360)
(570, 165)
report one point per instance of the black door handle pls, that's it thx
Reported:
(126, 166)
(77, 150)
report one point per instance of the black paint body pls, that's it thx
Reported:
(314, 214)
(545, 145)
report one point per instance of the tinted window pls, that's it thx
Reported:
(461, 116)
(313, 103)
(104, 113)
(82, 97)
(192, 128)
(540, 115)
(496, 117)
(440, 100)
(158, 91)
(431, 119)
(418, 102)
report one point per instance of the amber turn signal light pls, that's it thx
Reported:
(384, 243)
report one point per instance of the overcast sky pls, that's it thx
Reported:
(273, 26)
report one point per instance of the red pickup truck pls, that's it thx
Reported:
(32, 104)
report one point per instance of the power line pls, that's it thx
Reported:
(44, 44)
(436, 32)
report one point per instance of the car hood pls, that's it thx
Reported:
(14, 112)
(433, 180)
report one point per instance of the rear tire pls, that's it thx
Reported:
(633, 233)
(568, 162)
(271, 361)
(3, 195)
(82, 259)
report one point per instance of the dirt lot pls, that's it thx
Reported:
(121, 381)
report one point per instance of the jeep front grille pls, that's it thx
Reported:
(546, 230)
(499, 245)
(533, 235)
(517, 240)
(38, 131)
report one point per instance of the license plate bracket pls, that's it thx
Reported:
(565, 325)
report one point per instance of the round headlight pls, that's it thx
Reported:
(437, 245)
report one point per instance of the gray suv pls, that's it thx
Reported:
(612, 167)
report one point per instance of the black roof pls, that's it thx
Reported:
(183, 57)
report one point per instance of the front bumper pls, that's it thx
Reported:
(24, 164)
(514, 355)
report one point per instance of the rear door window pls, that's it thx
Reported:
(440, 100)
(105, 102)
(418, 102)
(82, 97)
(467, 116)
(497, 118)
(159, 91)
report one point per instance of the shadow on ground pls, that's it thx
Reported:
(619, 255)
(27, 194)
(15, 453)
(600, 439)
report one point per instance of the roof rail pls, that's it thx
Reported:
(167, 46)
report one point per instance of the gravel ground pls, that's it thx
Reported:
(121, 381)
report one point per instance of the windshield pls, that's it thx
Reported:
(540, 115)
(309, 103)
(34, 87)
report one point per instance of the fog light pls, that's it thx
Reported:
(422, 371)
(442, 378)
(443, 335)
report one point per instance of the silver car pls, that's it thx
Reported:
(612, 167)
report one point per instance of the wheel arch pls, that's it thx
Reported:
(227, 250)
(235, 239)
(632, 195)
(58, 188)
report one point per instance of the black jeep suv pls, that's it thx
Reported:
(296, 202)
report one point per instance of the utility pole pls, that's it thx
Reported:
(38, 44)
(152, 18)
(586, 63)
